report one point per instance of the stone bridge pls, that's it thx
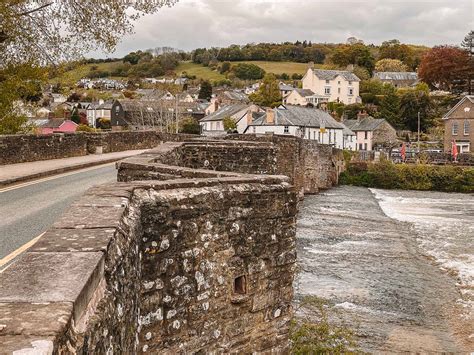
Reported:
(192, 251)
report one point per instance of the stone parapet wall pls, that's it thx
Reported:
(175, 258)
(29, 147)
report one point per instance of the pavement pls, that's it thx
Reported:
(15, 173)
(29, 209)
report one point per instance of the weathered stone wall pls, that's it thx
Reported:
(191, 260)
(142, 267)
(30, 147)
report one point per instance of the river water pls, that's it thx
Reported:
(398, 266)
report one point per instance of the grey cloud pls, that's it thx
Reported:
(204, 23)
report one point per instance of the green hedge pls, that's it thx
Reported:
(387, 175)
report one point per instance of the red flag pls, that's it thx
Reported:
(454, 150)
(403, 152)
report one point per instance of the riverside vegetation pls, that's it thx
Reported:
(424, 177)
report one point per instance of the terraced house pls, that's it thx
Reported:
(459, 126)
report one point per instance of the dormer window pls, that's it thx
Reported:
(327, 81)
(350, 82)
(339, 82)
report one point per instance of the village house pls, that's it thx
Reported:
(304, 122)
(459, 126)
(371, 133)
(213, 124)
(397, 79)
(303, 97)
(57, 125)
(153, 114)
(97, 110)
(334, 85)
(285, 89)
(224, 98)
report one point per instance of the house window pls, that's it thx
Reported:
(455, 129)
(351, 91)
(350, 82)
(366, 135)
(254, 129)
(338, 83)
(286, 129)
(327, 90)
(327, 81)
(466, 128)
(338, 90)
(365, 146)
(360, 146)
(319, 136)
(314, 135)
(240, 286)
(330, 138)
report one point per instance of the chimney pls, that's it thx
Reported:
(361, 115)
(311, 65)
(270, 117)
(350, 67)
(216, 105)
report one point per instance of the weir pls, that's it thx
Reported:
(193, 250)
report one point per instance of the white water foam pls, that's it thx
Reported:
(444, 228)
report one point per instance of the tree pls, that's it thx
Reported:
(391, 65)
(413, 101)
(50, 31)
(225, 67)
(229, 124)
(390, 108)
(205, 93)
(17, 83)
(247, 71)
(75, 117)
(268, 93)
(356, 54)
(443, 66)
(190, 126)
(468, 42)
(393, 49)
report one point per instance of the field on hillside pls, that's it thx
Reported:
(71, 77)
(280, 67)
(199, 70)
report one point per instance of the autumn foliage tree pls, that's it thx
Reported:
(444, 66)
(390, 65)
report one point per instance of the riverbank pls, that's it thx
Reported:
(372, 269)
(424, 177)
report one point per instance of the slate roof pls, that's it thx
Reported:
(285, 87)
(332, 74)
(365, 124)
(304, 92)
(299, 116)
(388, 75)
(226, 111)
(236, 96)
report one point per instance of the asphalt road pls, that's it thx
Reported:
(28, 211)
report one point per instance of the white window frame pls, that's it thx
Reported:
(455, 129)
(466, 127)
(327, 90)
(286, 129)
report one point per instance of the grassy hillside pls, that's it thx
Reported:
(70, 77)
(200, 71)
(280, 67)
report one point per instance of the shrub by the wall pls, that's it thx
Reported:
(386, 175)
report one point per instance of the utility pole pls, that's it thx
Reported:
(419, 132)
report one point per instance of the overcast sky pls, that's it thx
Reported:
(204, 23)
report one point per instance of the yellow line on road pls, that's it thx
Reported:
(19, 186)
(17, 252)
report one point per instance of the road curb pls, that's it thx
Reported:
(7, 182)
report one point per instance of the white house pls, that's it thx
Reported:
(335, 85)
(213, 124)
(305, 122)
(98, 110)
(303, 97)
